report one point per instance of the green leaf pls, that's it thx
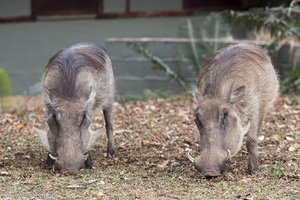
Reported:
(5, 84)
(190, 30)
(277, 172)
(5, 90)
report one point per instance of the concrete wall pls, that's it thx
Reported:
(135, 73)
(14, 8)
(138, 5)
(26, 47)
(141, 5)
(114, 6)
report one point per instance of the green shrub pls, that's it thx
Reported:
(291, 80)
(204, 35)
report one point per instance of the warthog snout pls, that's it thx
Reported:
(67, 166)
(210, 166)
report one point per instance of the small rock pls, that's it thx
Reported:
(102, 182)
(289, 138)
(261, 138)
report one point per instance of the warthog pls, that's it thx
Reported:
(76, 81)
(235, 89)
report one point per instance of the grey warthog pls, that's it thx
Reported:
(76, 81)
(235, 89)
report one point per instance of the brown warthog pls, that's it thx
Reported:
(76, 81)
(235, 89)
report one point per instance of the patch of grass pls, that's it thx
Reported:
(291, 80)
(151, 137)
(277, 172)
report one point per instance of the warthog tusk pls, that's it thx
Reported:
(190, 157)
(52, 157)
(86, 156)
(228, 155)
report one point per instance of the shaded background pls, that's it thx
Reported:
(31, 31)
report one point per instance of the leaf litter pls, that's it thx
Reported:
(152, 138)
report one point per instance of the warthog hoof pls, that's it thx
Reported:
(111, 151)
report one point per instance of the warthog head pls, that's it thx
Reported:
(75, 82)
(221, 132)
(69, 138)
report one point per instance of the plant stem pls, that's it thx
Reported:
(158, 63)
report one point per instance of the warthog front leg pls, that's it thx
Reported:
(252, 146)
(107, 112)
(253, 153)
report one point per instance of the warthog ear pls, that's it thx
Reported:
(197, 95)
(237, 94)
(89, 139)
(47, 96)
(43, 137)
(91, 100)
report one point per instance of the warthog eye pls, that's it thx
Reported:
(52, 120)
(54, 117)
(85, 118)
(198, 122)
(224, 120)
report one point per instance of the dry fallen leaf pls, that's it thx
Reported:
(293, 147)
(4, 173)
(145, 142)
(163, 164)
(276, 137)
(150, 138)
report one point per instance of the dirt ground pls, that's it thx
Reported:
(151, 138)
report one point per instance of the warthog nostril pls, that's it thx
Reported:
(50, 162)
(88, 164)
(211, 174)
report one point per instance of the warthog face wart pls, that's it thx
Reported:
(69, 138)
(221, 134)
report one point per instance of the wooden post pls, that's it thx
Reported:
(127, 6)
(33, 10)
(99, 8)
